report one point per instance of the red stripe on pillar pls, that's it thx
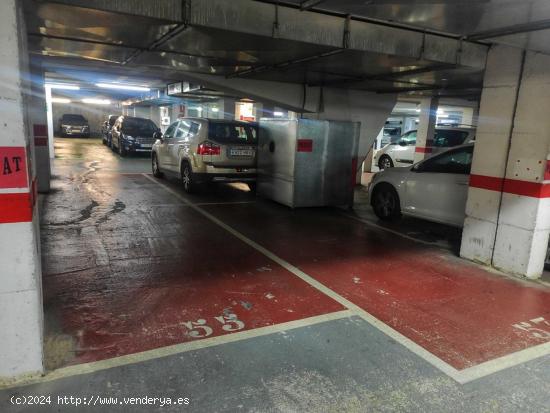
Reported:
(40, 141)
(40, 130)
(421, 149)
(526, 188)
(15, 208)
(547, 171)
(511, 186)
(353, 172)
(490, 183)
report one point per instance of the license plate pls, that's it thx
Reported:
(241, 152)
(146, 145)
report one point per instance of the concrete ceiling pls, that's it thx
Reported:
(160, 41)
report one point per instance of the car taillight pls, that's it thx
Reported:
(208, 148)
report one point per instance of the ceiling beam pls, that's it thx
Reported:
(227, 62)
(510, 30)
(308, 4)
(386, 77)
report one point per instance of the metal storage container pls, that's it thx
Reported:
(306, 162)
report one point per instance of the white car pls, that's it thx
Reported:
(435, 189)
(401, 152)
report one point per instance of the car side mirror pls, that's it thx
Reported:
(418, 167)
(402, 143)
(158, 135)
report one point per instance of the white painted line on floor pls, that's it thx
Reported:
(504, 362)
(225, 203)
(461, 376)
(411, 345)
(95, 366)
(375, 225)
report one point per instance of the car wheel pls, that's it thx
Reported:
(385, 203)
(155, 166)
(385, 162)
(188, 178)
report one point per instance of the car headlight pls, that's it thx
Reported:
(129, 138)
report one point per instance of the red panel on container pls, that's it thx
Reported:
(304, 145)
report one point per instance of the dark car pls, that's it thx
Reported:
(74, 125)
(131, 135)
(106, 129)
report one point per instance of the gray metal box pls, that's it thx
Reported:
(306, 162)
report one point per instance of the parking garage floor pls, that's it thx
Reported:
(238, 303)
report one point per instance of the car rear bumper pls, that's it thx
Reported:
(222, 177)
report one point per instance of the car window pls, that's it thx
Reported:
(138, 126)
(74, 118)
(409, 138)
(458, 161)
(194, 128)
(449, 138)
(182, 130)
(230, 132)
(171, 130)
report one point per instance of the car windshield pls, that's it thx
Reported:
(74, 118)
(137, 125)
(449, 137)
(232, 133)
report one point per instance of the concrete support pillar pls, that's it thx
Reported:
(21, 317)
(142, 111)
(38, 118)
(426, 128)
(49, 120)
(154, 115)
(226, 108)
(508, 209)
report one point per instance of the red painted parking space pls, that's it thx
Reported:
(457, 311)
(139, 271)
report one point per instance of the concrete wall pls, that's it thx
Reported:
(21, 316)
(96, 114)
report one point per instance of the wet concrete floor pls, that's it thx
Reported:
(132, 264)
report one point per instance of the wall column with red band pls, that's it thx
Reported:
(426, 128)
(508, 210)
(21, 313)
(36, 110)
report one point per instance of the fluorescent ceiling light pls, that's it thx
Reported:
(122, 87)
(62, 86)
(278, 114)
(198, 109)
(97, 101)
(417, 110)
(215, 110)
(61, 100)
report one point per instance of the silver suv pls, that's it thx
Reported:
(200, 150)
